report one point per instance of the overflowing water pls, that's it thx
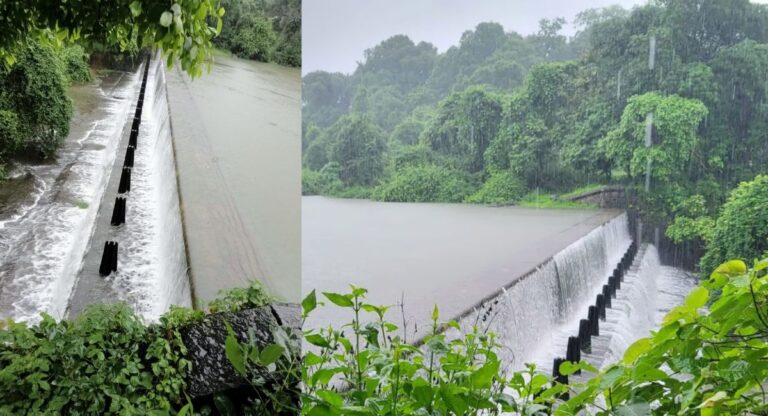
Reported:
(527, 314)
(43, 236)
(152, 265)
(153, 270)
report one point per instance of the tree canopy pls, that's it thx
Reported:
(183, 30)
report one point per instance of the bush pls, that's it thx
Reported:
(35, 89)
(501, 188)
(319, 183)
(254, 38)
(76, 63)
(108, 361)
(708, 361)
(741, 230)
(427, 183)
(10, 133)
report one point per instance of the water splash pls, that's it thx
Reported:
(153, 272)
(527, 315)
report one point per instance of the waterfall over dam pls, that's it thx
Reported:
(535, 315)
(152, 264)
(43, 241)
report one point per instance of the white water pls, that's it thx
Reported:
(152, 274)
(45, 242)
(527, 315)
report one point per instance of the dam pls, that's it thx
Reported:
(529, 275)
(147, 183)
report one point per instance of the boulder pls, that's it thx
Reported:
(211, 370)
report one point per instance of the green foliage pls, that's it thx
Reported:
(35, 90)
(273, 370)
(424, 183)
(708, 361)
(372, 371)
(708, 358)
(180, 29)
(10, 134)
(741, 230)
(501, 188)
(358, 149)
(465, 125)
(254, 38)
(237, 299)
(537, 199)
(106, 361)
(263, 30)
(76, 63)
(319, 183)
(675, 124)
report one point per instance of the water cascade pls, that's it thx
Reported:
(526, 314)
(648, 291)
(42, 243)
(144, 220)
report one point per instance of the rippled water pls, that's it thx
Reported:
(43, 237)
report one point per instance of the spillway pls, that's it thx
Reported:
(527, 312)
(535, 315)
(152, 266)
(44, 236)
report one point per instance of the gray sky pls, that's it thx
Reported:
(336, 32)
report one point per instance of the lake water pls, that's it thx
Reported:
(452, 255)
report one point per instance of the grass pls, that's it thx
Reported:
(81, 204)
(582, 189)
(544, 200)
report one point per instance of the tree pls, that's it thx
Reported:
(33, 96)
(358, 147)
(424, 183)
(181, 29)
(465, 125)
(741, 230)
(674, 136)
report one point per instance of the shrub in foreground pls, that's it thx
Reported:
(704, 361)
(109, 361)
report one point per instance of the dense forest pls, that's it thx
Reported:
(502, 115)
(264, 30)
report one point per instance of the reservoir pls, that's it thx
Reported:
(452, 255)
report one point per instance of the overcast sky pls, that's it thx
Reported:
(336, 32)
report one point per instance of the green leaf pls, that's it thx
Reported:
(339, 300)
(233, 351)
(135, 8)
(732, 268)
(483, 377)
(639, 347)
(435, 313)
(270, 354)
(331, 398)
(697, 298)
(309, 303)
(317, 340)
(166, 18)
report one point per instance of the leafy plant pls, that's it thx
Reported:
(274, 371)
(709, 357)
(364, 368)
(236, 299)
(425, 183)
(501, 188)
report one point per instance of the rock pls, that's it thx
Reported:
(211, 370)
